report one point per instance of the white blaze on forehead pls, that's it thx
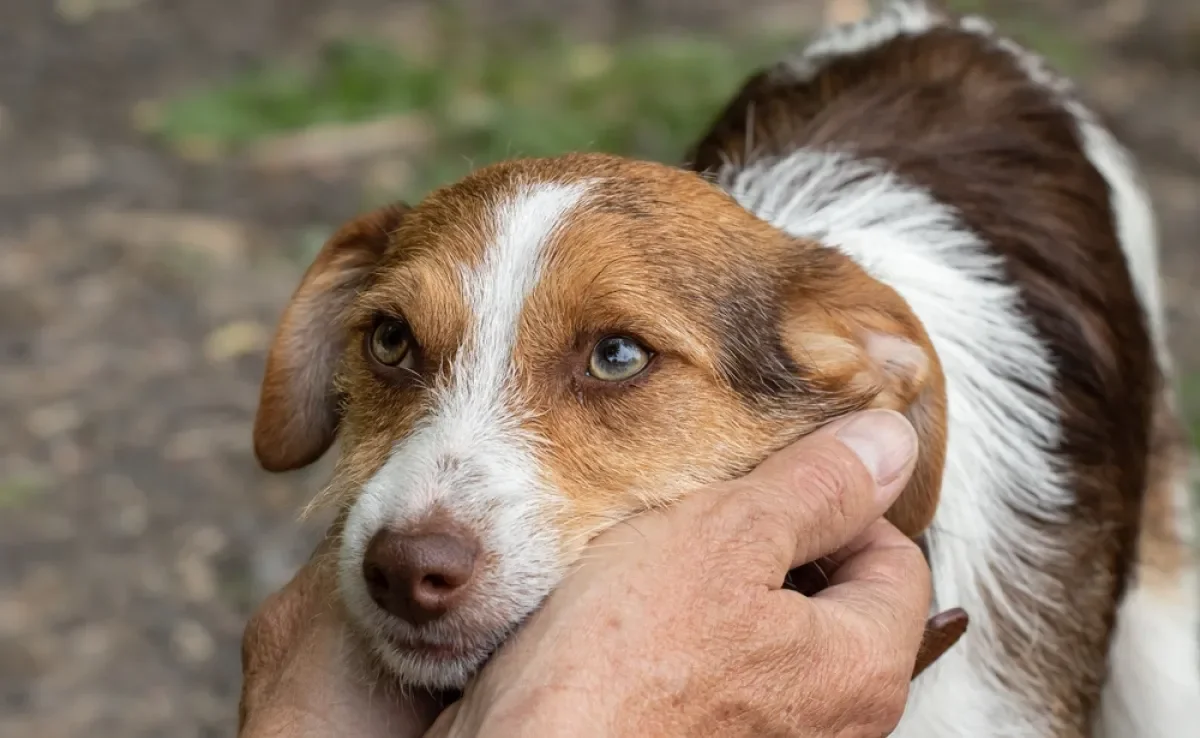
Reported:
(496, 290)
(474, 421)
(469, 457)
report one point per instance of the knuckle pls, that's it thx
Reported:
(890, 677)
(870, 644)
(821, 495)
(828, 478)
(887, 709)
(826, 495)
(893, 670)
(747, 507)
(880, 699)
(893, 704)
(743, 514)
(736, 548)
(868, 684)
(876, 643)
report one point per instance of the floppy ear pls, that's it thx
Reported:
(862, 343)
(298, 410)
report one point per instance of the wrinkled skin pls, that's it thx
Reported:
(675, 624)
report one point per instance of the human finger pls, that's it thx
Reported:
(282, 621)
(817, 495)
(883, 577)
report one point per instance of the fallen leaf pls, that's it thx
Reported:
(235, 339)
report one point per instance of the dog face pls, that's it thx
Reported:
(544, 349)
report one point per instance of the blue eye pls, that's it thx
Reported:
(617, 358)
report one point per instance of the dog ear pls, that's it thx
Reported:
(860, 342)
(299, 409)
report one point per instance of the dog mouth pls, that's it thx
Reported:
(432, 650)
(430, 662)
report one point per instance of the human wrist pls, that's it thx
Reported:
(580, 716)
(546, 709)
(604, 706)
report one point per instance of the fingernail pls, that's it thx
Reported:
(883, 440)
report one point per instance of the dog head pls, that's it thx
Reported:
(546, 348)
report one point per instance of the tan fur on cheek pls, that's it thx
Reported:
(614, 457)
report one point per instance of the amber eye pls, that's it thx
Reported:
(618, 358)
(391, 343)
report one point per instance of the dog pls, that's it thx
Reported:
(912, 212)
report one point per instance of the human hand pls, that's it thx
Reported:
(675, 624)
(306, 675)
(691, 598)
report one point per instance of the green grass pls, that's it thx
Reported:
(16, 492)
(535, 95)
(1190, 394)
(642, 98)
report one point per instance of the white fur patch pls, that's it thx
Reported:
(470, 458)
(998, 428)
(1153, 689)
(898, 18)
(910, 242)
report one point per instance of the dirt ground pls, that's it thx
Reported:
(137, 291)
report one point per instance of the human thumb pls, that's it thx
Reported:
(825, 489)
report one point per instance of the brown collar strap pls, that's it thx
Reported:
(941, 631)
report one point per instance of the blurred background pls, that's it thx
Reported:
(169, 167)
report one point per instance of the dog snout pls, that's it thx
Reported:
(420, 576)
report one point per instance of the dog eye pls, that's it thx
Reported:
(617, 358)
(391, 343)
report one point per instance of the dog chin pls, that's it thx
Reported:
(430, 665)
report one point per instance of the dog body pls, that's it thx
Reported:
(961, 171)
(913, 213)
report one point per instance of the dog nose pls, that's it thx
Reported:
(419, 577)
